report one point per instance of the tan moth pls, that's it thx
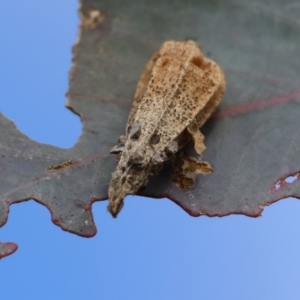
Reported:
(177, 92)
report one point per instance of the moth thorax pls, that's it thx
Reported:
(137, 157)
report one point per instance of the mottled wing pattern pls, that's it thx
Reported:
(181, 84)
(141, 88)
(215, 100)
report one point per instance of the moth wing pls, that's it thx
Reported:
(205, 113)
(215, 100)
(182, 83)
(141, 87)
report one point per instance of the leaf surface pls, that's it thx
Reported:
(7, 249)
(253, 139)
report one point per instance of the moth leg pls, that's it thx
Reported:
(186, 169)
(197, 136)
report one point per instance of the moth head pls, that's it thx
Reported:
(129, 177)
(116, 200)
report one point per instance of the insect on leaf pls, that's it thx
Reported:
(252, 140)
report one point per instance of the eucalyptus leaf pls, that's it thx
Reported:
(252, 140)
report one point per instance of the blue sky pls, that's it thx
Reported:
(153, 250)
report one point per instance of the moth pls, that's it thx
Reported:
(177, 92)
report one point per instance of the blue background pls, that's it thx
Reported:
(154, 250)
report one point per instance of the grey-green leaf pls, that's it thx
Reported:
(253, 140)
